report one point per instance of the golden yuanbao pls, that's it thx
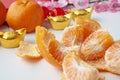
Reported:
(81, 13)
(12, 39)
(60, 22)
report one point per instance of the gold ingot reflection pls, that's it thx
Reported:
(60, 22)
(10, 35)
(11, 39)
(81, 13)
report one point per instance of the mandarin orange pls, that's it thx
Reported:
(51, 49)
(112, 58)
(59, 51)
(75, 68)
(98, 63)
(96, 44)
(89, 25)
(25, 14)
(43, 38)
(73, 35)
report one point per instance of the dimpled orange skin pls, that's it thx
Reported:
(96, 44)
(25, 14)
(2, 13)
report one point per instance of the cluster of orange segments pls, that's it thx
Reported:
(83, 50)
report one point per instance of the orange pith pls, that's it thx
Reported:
(89, 25)
(95, 45)
(73, 36)
(76, 69)
(51, 48)
(58, 51)
(112, 58)
(55, 52)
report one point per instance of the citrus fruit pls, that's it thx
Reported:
(51, 49)
(54, 49)
(3, 11)
(59, 51)
(98, 63)
(24, 14)
(27, 50)
(96, 44)
(73, 36)
(89, 25)
(43, 38)
(75, 68)
(112, 58)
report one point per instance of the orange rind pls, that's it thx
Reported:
(51, 49)
(43, 38)
(27, 50)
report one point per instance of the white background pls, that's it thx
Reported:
(15, 68)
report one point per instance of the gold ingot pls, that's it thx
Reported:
(60, 22)
(11, 39)
(81, 13)
(1, 35)
(10, 35)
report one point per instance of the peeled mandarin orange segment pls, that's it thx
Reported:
(95, 45)
(89, 25)
(99, 64)
(75, 68)
(43, 38)
(112, 58)
(73, 36)
(58, 51)
(27, 50)
(51, 49)
(54, 49)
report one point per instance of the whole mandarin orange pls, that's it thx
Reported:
(25, 14)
